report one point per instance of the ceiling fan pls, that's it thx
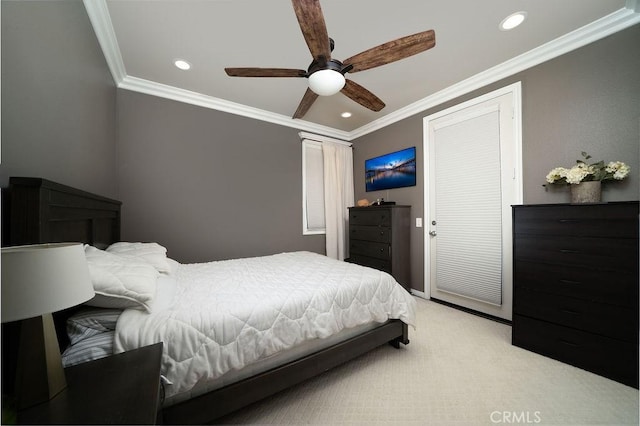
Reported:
(326, 75)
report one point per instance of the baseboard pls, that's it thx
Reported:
(471, 311)
(420, 294)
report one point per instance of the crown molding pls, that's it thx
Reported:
(614, 22)
(194, 98)
(322, 138)
(101, 21)
(103, 27)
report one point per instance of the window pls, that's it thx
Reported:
(313, 181)
(312, 188)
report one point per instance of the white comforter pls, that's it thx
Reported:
(228, 314)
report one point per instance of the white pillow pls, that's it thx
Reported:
(152, 253)
(173, 265)
(120, 282)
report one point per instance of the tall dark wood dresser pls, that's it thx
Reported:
(379, 238)
(575, 296)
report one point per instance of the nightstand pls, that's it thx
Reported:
(119, 389)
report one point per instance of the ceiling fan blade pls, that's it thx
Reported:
(307, 100)
(265, 72)
(314, 29)
(362, 96)
(392, 51)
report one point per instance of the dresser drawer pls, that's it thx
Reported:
(607, 320)
(595, 253)
(595, 220)
(611, 358)
(370, 217)
(380, 264)
(370, 233)
(370, 249)
(379, 238)
(620, 289)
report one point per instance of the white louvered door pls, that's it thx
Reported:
(472, 182)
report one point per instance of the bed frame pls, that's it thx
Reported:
(41, 211)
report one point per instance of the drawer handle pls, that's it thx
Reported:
(570, 282)
(566, 342)
(570, 312)
(569, 251)
(568, 220)
(381, 232)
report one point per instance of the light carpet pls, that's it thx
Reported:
(459, 369)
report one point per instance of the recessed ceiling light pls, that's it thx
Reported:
(182, 64)
(512, 21)
(345, 114)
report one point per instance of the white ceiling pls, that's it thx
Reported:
(141, 39)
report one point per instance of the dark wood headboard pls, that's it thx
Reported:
(41, 211)
(36, 211)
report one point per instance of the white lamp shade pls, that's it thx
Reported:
(43, 278)
(326, 82)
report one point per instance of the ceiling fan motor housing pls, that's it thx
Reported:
(332, 64)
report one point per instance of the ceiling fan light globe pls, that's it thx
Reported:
(326, 82)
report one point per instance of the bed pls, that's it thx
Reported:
(234, 373)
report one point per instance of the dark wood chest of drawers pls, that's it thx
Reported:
(379, 238)
(575, 296)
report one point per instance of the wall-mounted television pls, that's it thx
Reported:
(393, 170)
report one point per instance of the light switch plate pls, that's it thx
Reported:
(418, 222)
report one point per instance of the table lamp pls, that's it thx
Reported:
(38, 280)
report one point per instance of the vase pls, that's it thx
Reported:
(586, 192)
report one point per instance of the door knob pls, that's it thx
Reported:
(433, 233)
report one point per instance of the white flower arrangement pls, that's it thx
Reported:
(583, 172)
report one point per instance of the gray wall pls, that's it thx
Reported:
(586, 100)
(207, 184)
(58, 97)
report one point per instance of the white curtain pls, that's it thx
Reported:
(338, 196)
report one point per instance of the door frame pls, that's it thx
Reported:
(515, 90)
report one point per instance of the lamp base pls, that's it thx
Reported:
(40, 375)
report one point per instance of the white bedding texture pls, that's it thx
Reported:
(120, 282)
(220, 316)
